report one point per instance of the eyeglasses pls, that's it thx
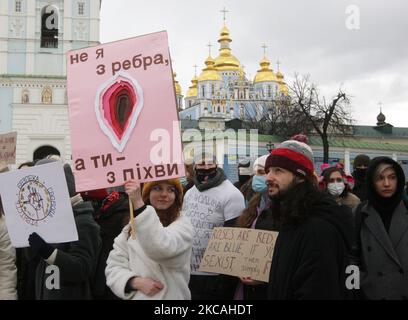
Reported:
(169, 189)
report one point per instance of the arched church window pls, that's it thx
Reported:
(269, 91)
(44, 151)
(49, 27)
(46, 96)
(25, 98)
(212, 89)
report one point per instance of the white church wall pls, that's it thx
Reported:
(37, 123)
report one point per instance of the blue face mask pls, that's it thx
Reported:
(183, 180)
(259, 184)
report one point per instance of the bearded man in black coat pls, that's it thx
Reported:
(311, 251)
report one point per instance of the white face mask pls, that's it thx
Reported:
(336, 188)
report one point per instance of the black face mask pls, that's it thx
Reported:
(360, 174)
(242, 179)
(202, 173)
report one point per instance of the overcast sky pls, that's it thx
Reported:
(307, 36)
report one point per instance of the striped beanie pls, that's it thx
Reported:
(292, 155)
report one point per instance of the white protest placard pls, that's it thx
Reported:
(36, 199)
(8, 148)
(240, 252)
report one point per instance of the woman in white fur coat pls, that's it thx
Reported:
(156, 264)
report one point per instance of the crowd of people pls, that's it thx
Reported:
(326, 223)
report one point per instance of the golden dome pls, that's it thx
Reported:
(192, 90)
(242, 74)
(225, 60)
(224, 31)
(283, 88)
(265, 74)
(177, 86)
(209, 73)
(224, 35)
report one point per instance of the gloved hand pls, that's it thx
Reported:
(39, 246)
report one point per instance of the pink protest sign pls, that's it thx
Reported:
(123, 113)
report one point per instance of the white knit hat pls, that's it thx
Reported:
(259, 163)
(244, 167)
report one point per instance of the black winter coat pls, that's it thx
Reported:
(310, 258)
(360, 189)
(111, 219)
(76, 261)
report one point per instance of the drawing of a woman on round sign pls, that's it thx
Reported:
(35, 201)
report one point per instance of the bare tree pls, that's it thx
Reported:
(304, 111)
(276, 118)
(326, 118)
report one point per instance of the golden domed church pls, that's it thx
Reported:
(222, 91)
(179, 95)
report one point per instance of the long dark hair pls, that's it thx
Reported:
(249, 214)
(297, 204)
(246, 190)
